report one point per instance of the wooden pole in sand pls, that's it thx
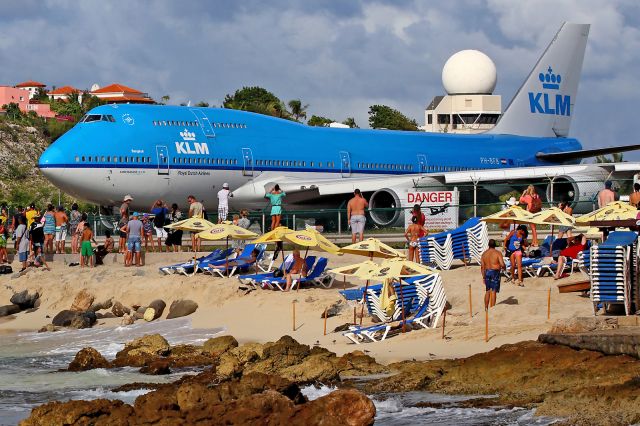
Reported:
(470, 303)
(293, 310)
(325, 322)
(486, 325)
(354, 315)
(549, 304)
(464, 256)
(444, 320)
(344, 282)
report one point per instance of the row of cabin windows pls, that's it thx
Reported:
(379, 166)
(114, 159)
(212, 161)
(195, 123)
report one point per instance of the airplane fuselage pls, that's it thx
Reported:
(169, 152)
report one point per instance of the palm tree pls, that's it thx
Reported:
(164, 99)
(615, 158)
(297, 109)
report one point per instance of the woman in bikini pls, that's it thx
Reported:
(414, 232)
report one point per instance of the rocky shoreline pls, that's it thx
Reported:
(260, 383)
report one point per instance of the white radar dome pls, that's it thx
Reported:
(469, 72)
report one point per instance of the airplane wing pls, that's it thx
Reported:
(583, 153)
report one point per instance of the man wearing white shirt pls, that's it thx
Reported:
(223, 202)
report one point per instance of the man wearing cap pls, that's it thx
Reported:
(223, 202)
(133, 230)
(124, 219)
(606, 195)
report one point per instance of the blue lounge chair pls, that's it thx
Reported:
(240, 263)
(256, 279)
(281, 282)
(191, 267)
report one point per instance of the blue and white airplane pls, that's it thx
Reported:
(169, 152)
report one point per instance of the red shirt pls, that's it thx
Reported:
(573, 251)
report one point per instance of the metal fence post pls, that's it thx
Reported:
(263, 228)
(294, 222)
(339, 223)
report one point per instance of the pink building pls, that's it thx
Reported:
(12, 95)
(43, 110)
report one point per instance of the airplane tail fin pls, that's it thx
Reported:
(544, 104)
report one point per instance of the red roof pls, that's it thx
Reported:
(64, 90)
(117, 88)
(31, 83)
(133, 99)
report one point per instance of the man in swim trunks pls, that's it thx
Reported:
(355, 215)
(491, 264)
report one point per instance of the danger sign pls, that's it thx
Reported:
(440, 208)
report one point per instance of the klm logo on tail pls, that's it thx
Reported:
(549, 103)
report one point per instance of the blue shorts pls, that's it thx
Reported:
(133, 244)
(23, 256)
(492, 280)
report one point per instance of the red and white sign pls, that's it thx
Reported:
(440, 208)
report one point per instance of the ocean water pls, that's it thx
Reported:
(29, 364)
(30, 376)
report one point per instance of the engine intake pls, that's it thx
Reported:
(383, 199)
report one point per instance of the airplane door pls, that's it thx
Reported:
(204, 122)
(345, 164)
(247, 162)
(422, 163)
(163, 159)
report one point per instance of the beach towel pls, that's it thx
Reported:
(388, 298)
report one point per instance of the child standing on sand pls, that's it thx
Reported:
(108, 241)
(86, 251)
(4, 234)
(147, 229)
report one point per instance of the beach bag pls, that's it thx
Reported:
(536, 204)
(6, 269)
(278, 273)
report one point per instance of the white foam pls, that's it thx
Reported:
(312, 392)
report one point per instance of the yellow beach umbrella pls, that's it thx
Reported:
(311, 239)
(515, 214)
(358, 270)
(194, 224)
(616, 210)
(372, 247)
(552, 216)
(274, 236)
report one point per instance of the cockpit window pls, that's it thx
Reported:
(97, 117)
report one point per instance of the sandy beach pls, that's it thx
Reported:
(264, 315)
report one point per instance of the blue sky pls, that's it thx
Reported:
(338, 56)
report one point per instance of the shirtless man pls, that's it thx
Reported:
(414, 232)
(606, 195)
(355, 215)
(297, 271)
(491, 264)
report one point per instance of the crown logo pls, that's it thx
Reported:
(550, 80)
(187, 135)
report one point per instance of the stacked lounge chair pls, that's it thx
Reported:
(613, 270)
(466, 243)
(424, 301)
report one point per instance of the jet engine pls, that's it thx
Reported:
(579, 190)
(379, 202)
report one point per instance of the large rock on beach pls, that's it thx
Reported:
(158, 305)
(107, 304)
(156, 368)
(9, 310)
(119, 309)
(218, 345)
(181, 308)
(82, 302)
(24, 299)
(74, 319)
(149, 314)
(141, 351)
(88, 359)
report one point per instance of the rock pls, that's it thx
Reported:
(107, 304)
(343, 406)
(88, 359)
(47, 328)
(343, 327)
(105, 315)
(334, 309)
(229, 366)
(127, 319)
(73, 319)
(138, 315)
(9, 310)
(159, 306)
(82, 302)
(149, 314)
(119, 309)
(24, 299)
(181, 308)
(141, 310)
(99, 411)
(156, 368)
(149, 346)
(219, 345)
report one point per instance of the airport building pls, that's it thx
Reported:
(469, 78)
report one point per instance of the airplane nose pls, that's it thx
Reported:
(51, 163)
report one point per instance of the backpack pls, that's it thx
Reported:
(536, 204)
(5, 269)
(159, 219)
